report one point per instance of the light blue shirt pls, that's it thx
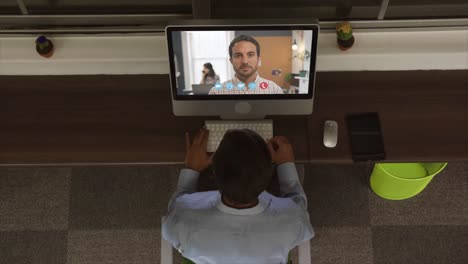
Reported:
(205, 230)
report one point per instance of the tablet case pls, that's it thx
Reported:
(365, 137)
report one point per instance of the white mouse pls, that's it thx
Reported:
(330, 134)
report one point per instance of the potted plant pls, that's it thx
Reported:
(289, 86)
(302, 56)
(302, 73)
(44, 47)
(345, 38)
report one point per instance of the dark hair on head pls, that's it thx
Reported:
(211, 72)
(244, 38)
(242, 165)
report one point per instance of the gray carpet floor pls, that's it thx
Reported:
(104, 214)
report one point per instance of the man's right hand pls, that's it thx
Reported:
(281, 150)
(196, 157)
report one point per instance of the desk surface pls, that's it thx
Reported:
(423, 114)
(128, 118)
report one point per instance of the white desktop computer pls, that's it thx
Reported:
(255, 68)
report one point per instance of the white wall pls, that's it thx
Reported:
(89, 54)
(147, 54)
(428, 50)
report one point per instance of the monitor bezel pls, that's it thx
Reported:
(312, 69)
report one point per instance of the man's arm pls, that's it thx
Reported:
(196, 160)
(290, 186)
(278, 89)
(187, 183)
(282, 154)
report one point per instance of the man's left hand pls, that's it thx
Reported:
(196, 157)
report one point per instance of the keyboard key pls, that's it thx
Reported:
(219, 127)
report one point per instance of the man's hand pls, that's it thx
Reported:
(196, 157)
(281, 150)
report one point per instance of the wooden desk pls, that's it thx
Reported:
(102, 119)
(423, 114)
(128, 119)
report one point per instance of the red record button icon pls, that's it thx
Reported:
(263, 85)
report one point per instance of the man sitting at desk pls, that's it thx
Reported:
(240, 222)
(244, 55)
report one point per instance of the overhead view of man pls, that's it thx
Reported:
(244, 55)
(240, 222)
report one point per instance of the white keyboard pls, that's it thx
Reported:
(217, 129)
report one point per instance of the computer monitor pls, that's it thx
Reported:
(255, 68)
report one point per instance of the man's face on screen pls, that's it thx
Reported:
(244, 58)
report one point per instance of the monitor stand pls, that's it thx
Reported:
(243, 110)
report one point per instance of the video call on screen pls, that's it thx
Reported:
(242, 62)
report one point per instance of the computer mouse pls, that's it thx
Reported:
(330, 134)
